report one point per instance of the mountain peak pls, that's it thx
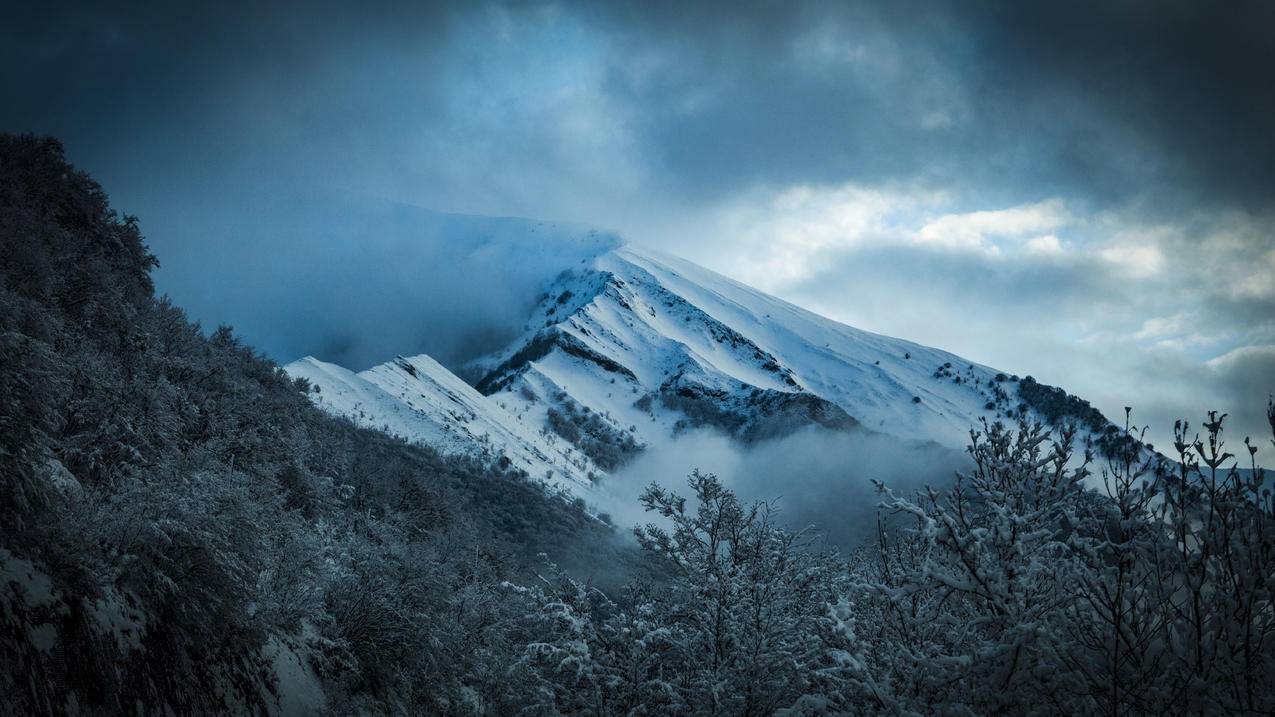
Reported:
(669, 332)
(633, 347)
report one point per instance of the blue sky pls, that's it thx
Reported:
(1082, 192)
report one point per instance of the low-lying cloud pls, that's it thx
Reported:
(356, 280)
(815, 478)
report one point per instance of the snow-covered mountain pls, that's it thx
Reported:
(421, 401)
(634, 347)
(648, 338)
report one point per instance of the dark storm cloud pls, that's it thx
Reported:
(1102, 99)
(1190, 80)
(1106, 100)
(91, 68)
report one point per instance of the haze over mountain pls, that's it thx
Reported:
(630, 352)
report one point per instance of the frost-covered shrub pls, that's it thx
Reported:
(1058, 406)
(596, 436)
(1022, 590)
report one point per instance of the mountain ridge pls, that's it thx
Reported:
(631, 348)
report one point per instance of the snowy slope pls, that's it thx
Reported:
(662, 344)
(420, 401)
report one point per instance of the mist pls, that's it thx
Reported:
(356, 279)
(815, 478)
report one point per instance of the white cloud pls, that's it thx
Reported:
(1162, 326)
(1047, 245)
(775, 238)
(981, 229)
(1179, 332)
(1259, 283)
(1134, 260)
(1241, 354)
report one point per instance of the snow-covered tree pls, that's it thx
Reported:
(750, 621)
(967, 603)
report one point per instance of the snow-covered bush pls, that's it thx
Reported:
(1023, 590)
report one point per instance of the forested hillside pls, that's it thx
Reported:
(172, 505)
(182, 532)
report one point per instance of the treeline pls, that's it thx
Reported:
(177, 521)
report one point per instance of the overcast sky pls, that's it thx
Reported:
(1084, 193)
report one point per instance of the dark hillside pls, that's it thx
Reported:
(172, 504)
